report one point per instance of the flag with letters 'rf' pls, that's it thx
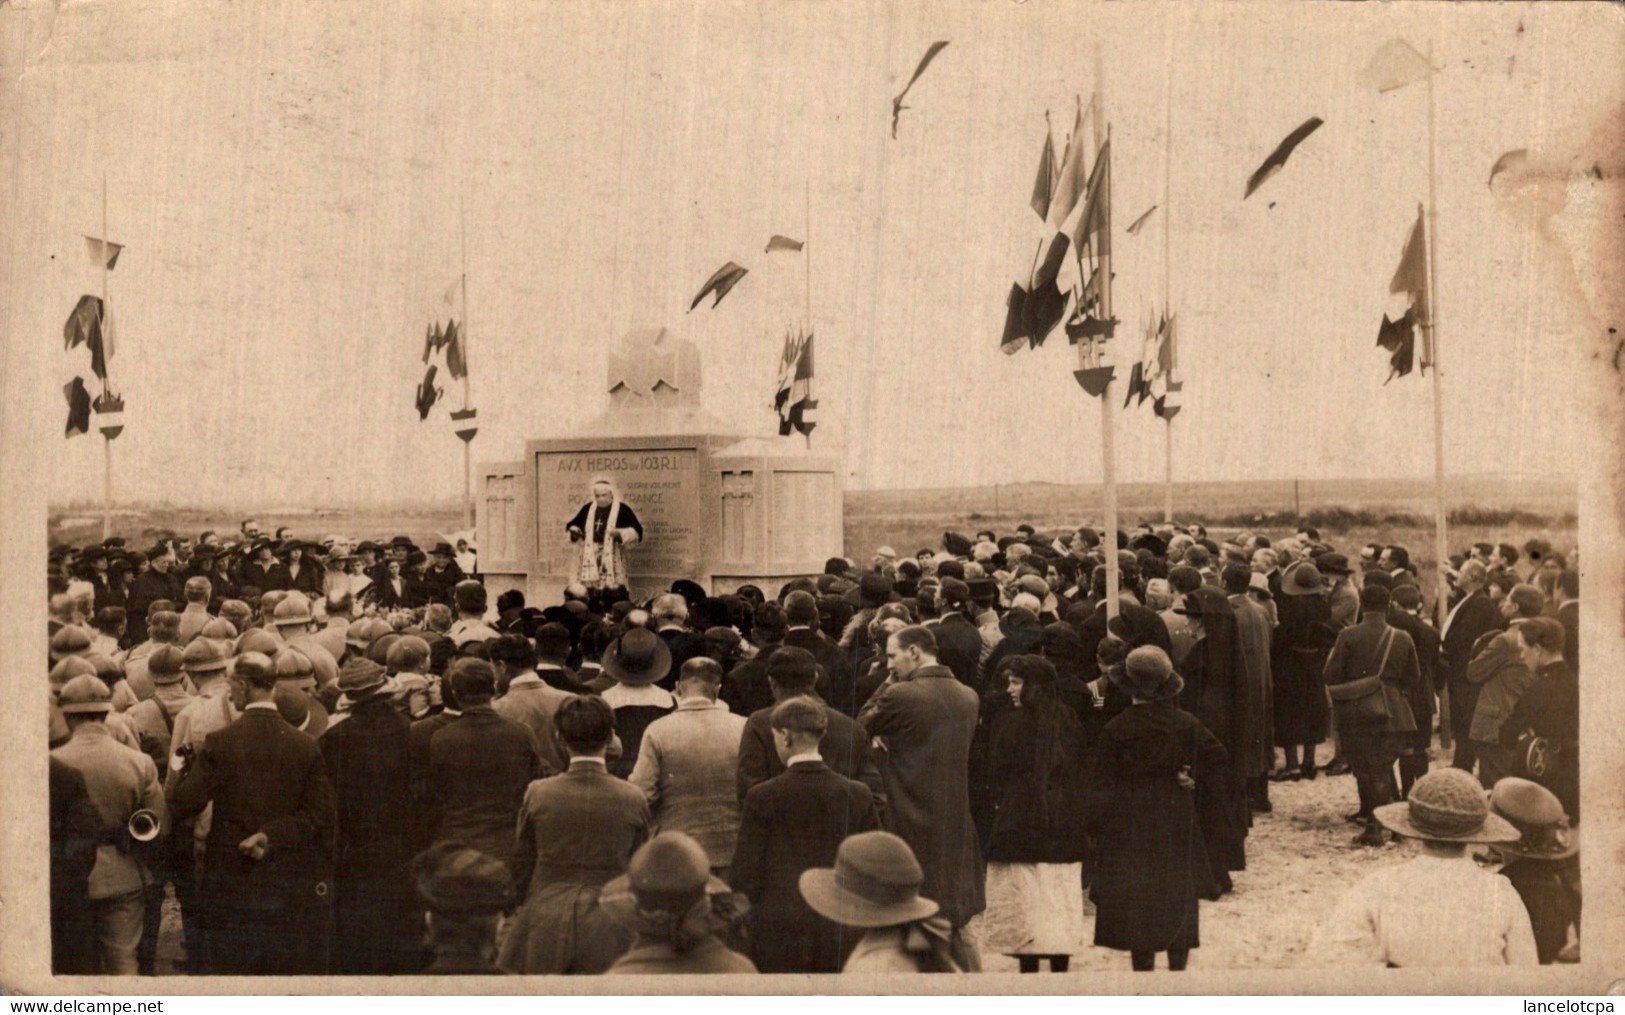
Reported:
(1397, 333)
(794, 401)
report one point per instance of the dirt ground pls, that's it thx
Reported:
(1300, 858)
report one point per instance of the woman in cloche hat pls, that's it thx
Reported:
(1437, 908)
(665, 899)
(1152, 865)
(875, 887)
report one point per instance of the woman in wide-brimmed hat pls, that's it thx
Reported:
(1437, 908)
(635, 661)
(1152, 865)
(875, 886)
(666, 899)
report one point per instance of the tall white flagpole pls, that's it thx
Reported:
(1108, 419)
(1431, 240)
(107, 442)
(1167, 270)
(806, 264)
(468, 453)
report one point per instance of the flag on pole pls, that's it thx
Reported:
(1165, 388)
(427, 394)
(1395, 65)
(91, 324)
(1071, 203)
(793, 400)
(1092, 242)
(1044, 183)
(1397, 333)
(720, 283)
(1139, 385)
(433, 340)
(103, 253)
(442, 347)
(1168, 405)
(1153, 376)
(78, 407)
(455, 364)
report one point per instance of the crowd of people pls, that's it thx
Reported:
(343, 758)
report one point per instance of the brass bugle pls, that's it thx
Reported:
(144, 825)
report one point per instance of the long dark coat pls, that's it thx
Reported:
(479, 767)
(844, 748)
(1152, 863)
(270, 916)
(1476, 615)
(791, 823)
(1037, 817)
(927, 722)
(1216, 693)
(1420, 696)
(959, 647)
(1303, 640)
(1256, 748)
(378, 924)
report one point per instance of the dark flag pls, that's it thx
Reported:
(1399, 338)
(427, 393)
(720, 283)
(433, 341)
(92, 326)
(1136, 385)
(793, 400)
(777, 242)
(897, 106)
(78, 407)
(1411, 278)
(1277, 158)
(455, 364)
(1035, 307)
(1044, 183)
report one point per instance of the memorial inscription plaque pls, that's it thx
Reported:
(660, 484)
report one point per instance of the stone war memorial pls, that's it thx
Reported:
(719, 505)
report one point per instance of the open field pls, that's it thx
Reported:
(1348, 513)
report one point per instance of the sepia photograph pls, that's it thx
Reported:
(746, 498)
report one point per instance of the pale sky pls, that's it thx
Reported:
(289, 179)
